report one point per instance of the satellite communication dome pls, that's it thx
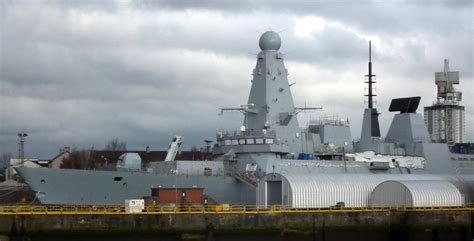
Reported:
(270, 41)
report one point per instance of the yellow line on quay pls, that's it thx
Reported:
(214, 209)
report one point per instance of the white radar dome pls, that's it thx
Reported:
(270, 41)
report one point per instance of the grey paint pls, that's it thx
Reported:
(270, 100)
(187, 167)
(335, 134)
(406, 129)
(274, 193)
(113, 187)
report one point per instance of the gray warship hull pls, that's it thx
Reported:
(91, 187)
(59, 186)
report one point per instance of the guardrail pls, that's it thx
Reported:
(211, 209)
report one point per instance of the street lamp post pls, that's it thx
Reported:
(22, 146)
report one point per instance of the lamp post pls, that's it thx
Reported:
(176, 186)
(22, 146)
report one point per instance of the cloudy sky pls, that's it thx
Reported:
(80, 73)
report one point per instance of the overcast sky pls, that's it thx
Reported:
(80, 73)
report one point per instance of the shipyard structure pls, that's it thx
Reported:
(445, 118)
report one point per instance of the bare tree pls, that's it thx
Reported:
(116, 145)
(194, 151)
(78, 159)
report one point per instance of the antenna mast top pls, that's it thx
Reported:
(370, 51)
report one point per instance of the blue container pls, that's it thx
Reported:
(305, 156)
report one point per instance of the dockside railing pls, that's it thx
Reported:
(200, 209)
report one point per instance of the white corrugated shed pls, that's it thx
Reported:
(312, 190)
(416, 193)
(320, 191)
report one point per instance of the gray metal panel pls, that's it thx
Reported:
(406, 129)
(274, 192)
(335, 134)
(438, 158)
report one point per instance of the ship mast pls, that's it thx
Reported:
(370, 80)
(370, 124)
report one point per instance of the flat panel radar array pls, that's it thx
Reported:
(405, 105)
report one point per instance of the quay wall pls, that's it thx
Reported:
(400, 225)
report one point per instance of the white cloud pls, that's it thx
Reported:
(305, 26)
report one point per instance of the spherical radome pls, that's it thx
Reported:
(270, 41)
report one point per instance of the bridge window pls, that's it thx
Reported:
(117, 179)
(269, 141)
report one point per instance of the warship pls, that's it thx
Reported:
(270, 159)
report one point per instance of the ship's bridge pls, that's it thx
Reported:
(249, 141)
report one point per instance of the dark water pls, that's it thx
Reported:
(315, 235)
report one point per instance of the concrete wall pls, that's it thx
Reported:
(387, 225)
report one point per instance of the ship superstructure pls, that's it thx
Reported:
(272, 160)
(270, 127)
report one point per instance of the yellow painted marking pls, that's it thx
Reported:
(214, 209)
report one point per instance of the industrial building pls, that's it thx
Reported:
(445, 119)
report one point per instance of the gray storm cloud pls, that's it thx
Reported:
(80, 73)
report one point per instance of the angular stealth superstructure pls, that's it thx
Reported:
(270, 127)
(271, 107)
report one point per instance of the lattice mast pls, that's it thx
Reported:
(371, 80)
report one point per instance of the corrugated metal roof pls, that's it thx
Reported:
(325, 190)
(416, 193)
